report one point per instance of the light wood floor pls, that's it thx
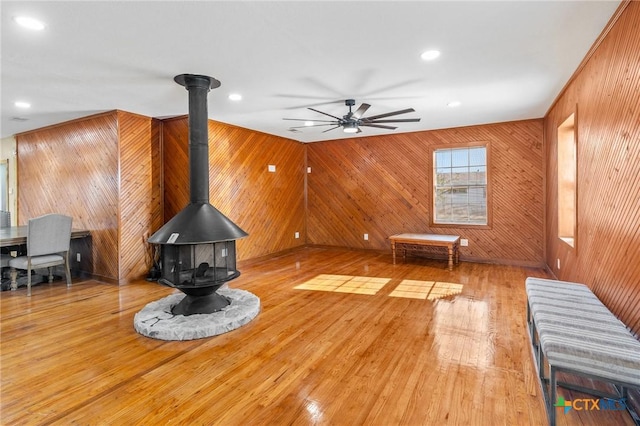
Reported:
(71, 356)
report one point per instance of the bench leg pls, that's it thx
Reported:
(632, 412)
(553, 388)
(393, 251)
(450, 258)
(532, 326)
(540, 357)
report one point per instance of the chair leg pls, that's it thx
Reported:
(14, 278)
(50, 274)
(68, 270)
(28, 277)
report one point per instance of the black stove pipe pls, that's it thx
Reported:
(198, 87)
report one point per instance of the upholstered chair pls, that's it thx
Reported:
(48, 240)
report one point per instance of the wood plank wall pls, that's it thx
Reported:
(268, 206)
(99, 170)
(381, 185)
(605, 94)
(140, 202)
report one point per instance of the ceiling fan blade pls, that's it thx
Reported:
(380, 126)
(361, 110)
(398, 120)
(318, 111)
(315, 125)
(308, 119)
(388, 114)
(325, 131)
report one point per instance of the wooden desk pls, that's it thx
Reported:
(451, 242)
(17, 235)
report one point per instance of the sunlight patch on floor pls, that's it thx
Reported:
(430, 290)
(344, 284)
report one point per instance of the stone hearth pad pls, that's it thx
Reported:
(155, 320)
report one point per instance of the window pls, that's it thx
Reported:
(4, 184)
(460, 185)
(567, 174)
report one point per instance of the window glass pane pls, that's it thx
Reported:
(459, 201)
(443, 194)
(477, 195)
(443, 158)
(459, 157)
(443, 203)
(477, 213)
(477, 156)
(443, 177)
(460, 213)
(478, 175)
(460, 175)
(4, 185)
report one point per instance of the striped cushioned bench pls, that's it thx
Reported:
(575, 333)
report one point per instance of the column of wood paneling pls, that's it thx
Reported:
(72, 168)
(381, 186)
(140, 192)
(269, 206)
(605, 95)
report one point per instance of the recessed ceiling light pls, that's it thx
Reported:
(308, 123)
(430, 55)
(22, 104)
(454, 104)
(235, 97)
(29, 23)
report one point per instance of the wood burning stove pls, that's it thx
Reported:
(198, 248)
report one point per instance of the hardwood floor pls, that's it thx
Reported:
(71, 356)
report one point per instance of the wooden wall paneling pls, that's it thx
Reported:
(175, 163)
(381, 186)
(606, 92)
(140, 196)
(268, 206)
(72, 168)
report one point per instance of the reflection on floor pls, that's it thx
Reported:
(430, 290)
(412, 289)
(344, 284)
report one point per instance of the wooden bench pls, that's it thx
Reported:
(573, 332)
(417, 241)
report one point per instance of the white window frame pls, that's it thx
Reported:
(463, 186)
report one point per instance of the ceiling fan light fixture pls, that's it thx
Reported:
(430, 55)
(29, 23)
(350, 128)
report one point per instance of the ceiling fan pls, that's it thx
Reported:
(353, 120)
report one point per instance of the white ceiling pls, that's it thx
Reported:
(504, 60)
